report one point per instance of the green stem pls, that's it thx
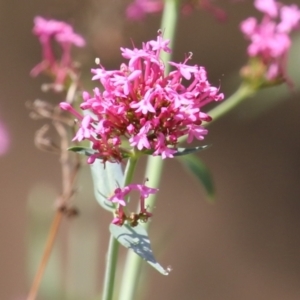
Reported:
(168, 27)
(154, 167)
(113, 248)
(130, 168)
(133, 262)
(242, 93)
(110, 271)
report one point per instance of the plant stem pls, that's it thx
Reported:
(168, 26)
(129, 171)
(49, 245)
(133, 263)
(242, 93)
(154, 167)
(113, 248)
(110, 271)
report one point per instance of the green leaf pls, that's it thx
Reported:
(181, 151)
(185, 151)
(106, 180)
(136, 239)
(82, 150)
(89, 151)
(197, 168)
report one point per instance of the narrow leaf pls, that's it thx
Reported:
(197, 168)
(105, 181)
(82, 150)
(137, 240)
(185, 151)
(182, 151)
(89, 151)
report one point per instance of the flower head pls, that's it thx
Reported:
(62, 33)
(145, 105)
(138, 9)
(119, 197)
(269, 39)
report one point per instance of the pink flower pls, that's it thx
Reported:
(120, 217)
(269, 39)
(196, 131)
(162, 149)
(138, 9)
(48, 31)
(140, 140)
(86, 130)
(290, 17)
(216, 11)
(269, 7)
(4, 139)
(144, 190)
(145, 106)
(119, 197)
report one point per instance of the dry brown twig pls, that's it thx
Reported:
(70, 166)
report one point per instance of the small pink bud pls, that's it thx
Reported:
(67, 106)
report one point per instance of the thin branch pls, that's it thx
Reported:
(69, 169)
(48, 249)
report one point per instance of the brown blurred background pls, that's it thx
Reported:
(246, 246)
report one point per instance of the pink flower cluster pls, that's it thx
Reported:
(48, 31)
(145, 106)
(138, 9)
(119, 198)
(270, 40)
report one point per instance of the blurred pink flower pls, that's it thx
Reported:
(138, 9)
(270, 39)
(269, 7)
(4, 139)
(48, 31)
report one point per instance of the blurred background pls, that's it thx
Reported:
(245, 246)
